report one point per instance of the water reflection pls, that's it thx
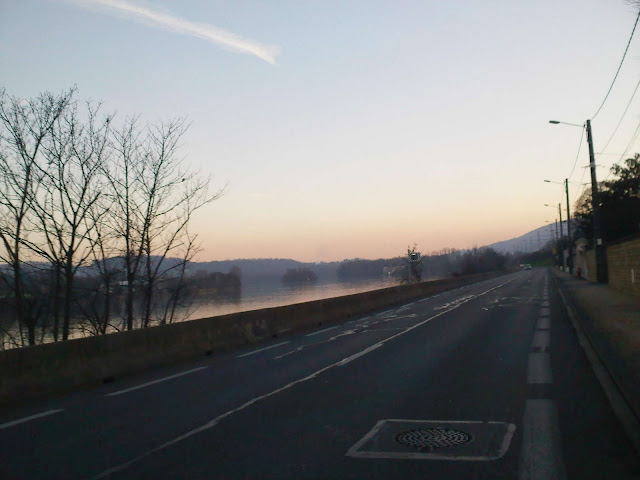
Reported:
(256, 295)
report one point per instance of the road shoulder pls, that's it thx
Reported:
(608, 327)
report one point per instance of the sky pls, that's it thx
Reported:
(352, 129)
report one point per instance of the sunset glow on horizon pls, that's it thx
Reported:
(376, 126)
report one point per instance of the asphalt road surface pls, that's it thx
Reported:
(486, 382)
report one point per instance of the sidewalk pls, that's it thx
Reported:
(609, 324)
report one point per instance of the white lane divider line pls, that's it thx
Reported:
(539, 369)
(212, 423)
(544, 323)
(28, 419)
(164, 379)
(261, 350)
(541, 457)
(541, 339)
(299, 349)
(320, 331)
(374, 330)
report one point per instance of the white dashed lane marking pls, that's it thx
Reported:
(541, 339)
(320, 331)
(261, 350)
(28, 419)
(164, 379)
(541, 457)
(539, 369)
(544, 323)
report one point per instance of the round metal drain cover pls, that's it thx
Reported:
(430, 439)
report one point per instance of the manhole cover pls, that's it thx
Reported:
(435, 440)
(429, 439)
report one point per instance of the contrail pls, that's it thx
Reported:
(179, 25)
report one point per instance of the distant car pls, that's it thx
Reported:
(527, 267)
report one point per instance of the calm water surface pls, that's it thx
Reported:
(256, 296)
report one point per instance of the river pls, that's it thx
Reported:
(256, 295)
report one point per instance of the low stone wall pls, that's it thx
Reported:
(623, 261)
(32, 372)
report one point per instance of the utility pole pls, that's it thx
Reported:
(570, 259)
(554, 234)
(561, 253)
(557, 241)
(601, 261)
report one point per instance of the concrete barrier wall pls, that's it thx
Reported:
(32, 372)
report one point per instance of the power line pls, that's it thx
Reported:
(577, 154)
(634, 137)
(620, 121)
(579, 191)
(619, 67)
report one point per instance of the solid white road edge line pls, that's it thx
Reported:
(137, 387)
(212, 423)
(28, 419)
(344, 361)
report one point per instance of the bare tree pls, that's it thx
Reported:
(171, 195)
(26, 126)
(177, 287)
(74, 193)
(154, 198)
(124, 178)
(70, 187)
(96, 309)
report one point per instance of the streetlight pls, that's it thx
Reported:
(556, 122)
(566, 187)
(601, 267)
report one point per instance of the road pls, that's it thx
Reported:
(486, 381)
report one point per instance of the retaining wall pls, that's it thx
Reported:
(623, 261)
(32, 372)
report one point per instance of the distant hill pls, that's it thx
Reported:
(266, 267)
(529, 242)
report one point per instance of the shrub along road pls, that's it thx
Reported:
(485, 381)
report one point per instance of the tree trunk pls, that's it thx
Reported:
(56, 305)
(68, 292)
